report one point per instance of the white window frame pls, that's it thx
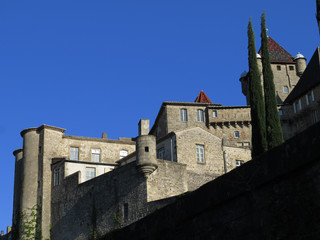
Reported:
(200, 153)
(200, 115)
(90, 173)
(95, 154)
(214, 114)
(183, 115)
(56, 177)
(74, 153)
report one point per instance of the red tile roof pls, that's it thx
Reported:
(277, 53)
(202, 98)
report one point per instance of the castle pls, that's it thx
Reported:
(81, 187)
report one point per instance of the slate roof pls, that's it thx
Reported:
(309, 79)
(202, 98)
(278, 53)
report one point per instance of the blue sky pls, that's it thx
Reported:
(94, 66)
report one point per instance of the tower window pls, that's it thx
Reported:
(236, 134)
(285, 89)
(146, 149)
(278, 67)
(291, 68)
(183, 115)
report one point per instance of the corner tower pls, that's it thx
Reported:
(146, 149)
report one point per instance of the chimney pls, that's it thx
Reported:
(104, 135)
(144, 127)
(1, 233)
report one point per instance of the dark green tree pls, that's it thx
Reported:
(259, 143)
(273, 125)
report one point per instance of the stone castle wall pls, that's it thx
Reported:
(112, 200)
(275, 196)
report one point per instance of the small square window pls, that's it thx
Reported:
(236, 134)
(280, 112)
(285, 89)
(214, 114)
(279, 68)
(146, 149)
(291, 68)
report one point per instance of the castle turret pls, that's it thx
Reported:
(18, 170)
(146, 149)
(300, 64)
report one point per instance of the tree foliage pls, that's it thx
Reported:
(273, 125)
(259, 143)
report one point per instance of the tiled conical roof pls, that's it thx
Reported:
(202, 98)
(277, 53)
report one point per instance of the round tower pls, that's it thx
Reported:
(30, 168)
(18, 174)
(300, 64)
(146, 149)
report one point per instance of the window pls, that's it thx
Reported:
(200, 115)
(285, 89)
(160, 153)
(312, 96)
(200, 153)
(236, 134)
(90, 173)
(125, 211)
(246, 144)
(291, 68)
(294, 107)
(95, 155)
(74, 153)
(183, 115)
(123, 153)
(239, 163)
(279, 68)
(299, 105)
(314, 115)
(309, 98)
(280, 112)
(214, 114)
(146, 149)
(56, 177)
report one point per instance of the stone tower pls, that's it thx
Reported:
(146, 149)
(32, 183)
(286, 71)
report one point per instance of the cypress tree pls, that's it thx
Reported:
(273, 125)
(259, 143)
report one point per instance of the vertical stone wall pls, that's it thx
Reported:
(275, 196)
